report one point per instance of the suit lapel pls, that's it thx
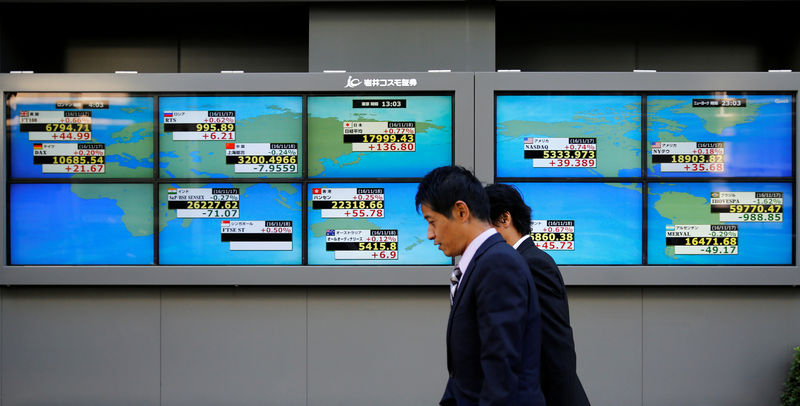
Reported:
(462, 287)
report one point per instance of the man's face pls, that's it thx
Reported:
(445, 232)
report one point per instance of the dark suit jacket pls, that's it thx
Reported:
(560, 382)
(494, 332)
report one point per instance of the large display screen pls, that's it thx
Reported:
(573, 223)
(80, 224)
(368, 224)
(230, 223)
(378, 136)
(568, 135)
(80, 135)
(720, 223)
(720, 134)
(231, 137)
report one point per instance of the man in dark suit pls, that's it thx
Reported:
(512, 218)
(493, 332)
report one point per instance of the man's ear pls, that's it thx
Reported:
(505, 220)
(461, 211)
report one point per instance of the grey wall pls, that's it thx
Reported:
(368, 346)
(393, 38)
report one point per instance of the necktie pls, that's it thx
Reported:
(455, 276)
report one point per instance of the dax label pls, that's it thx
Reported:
(553, 235)
(204, 202)
(348, 202)
(84, 158)
(262, 157)
(748, 207)
(362, 244)
(703, 239)
(257, 235)
(204, 125)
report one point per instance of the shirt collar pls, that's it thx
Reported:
(519, 242)
(473, 246)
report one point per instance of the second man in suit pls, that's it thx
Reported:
(512, 219)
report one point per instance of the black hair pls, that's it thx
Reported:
(442, 187)
(506, 198)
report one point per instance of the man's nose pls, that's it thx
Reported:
(431, 234)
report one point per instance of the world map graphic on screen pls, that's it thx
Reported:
(80, 135)
(571, 221)
(231, 136)
(571, 135)
(368, 224)
(720, 223)
(94, 224)
(230, 223)
(719, 135)
(378, 136)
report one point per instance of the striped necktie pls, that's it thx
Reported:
(455, 276)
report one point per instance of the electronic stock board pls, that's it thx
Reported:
(226, 178)
(650, 178)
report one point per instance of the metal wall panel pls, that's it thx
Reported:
(718, 346)
(607, 325)
(367, 38)
(377, 346)
(234, 346)
(80, 346)
(102, 55)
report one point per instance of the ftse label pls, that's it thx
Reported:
(348, 202)
(56, 125)
(748, 207)
(262, 157)
(203, 125)
(561, 152)
(204, 202)
(70, 158)
(703, 239)
(257, 235)
(362, 244)
(689, 156)
(553, 235)
(380, 136)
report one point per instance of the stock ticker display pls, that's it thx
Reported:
(698, 178)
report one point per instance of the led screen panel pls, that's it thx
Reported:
(231, 137)
(230, 223)
(720, 223)
(378, 136)
(368, 224)
(568, 135)
(572, 222)
(80, 224)
(721, 134)
(80, 135)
